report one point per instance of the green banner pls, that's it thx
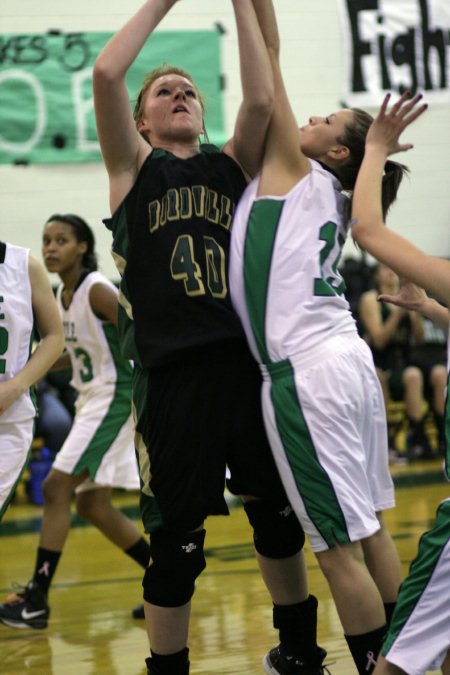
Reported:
(46, 106)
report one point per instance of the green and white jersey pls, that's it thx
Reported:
(284, 280)
(92, 344)
(16, 325)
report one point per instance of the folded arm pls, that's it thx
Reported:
(52, 338)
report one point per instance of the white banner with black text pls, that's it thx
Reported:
(396, 45)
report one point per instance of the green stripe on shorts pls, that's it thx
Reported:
(117, 414)
(311, 479)
(431, 546)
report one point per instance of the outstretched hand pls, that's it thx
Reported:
(410, 296)
(388, 126)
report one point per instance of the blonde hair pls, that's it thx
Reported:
(156, 73)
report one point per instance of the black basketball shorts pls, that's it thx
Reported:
(193, 418)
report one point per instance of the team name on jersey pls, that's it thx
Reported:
(2, 299)
(185, 202)
(69, 331)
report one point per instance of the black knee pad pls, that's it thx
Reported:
(276, 530)
(177, 560)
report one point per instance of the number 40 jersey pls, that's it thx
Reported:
(92, 344)
(171, 238)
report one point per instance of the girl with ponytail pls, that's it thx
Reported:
(322, 401)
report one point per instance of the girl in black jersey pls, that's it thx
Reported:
(390, 333)
(196, 387)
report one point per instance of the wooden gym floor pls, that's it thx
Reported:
(91, 631)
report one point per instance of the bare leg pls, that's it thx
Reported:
(413, 383)
(285, 579)
(438, 381)
(95, 505)
(167, 627)
(58, 490)
(382, 559)
(446, 664)
(358, 601)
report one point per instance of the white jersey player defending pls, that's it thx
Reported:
(322, 401)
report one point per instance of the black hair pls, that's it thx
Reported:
(82, 232)
(354, 138)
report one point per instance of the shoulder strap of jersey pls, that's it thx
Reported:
(206, 148)
(209, 148)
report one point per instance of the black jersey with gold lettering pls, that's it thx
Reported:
(171, 238)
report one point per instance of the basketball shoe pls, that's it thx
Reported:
(28, 608)
(276, 664)
(138, 612)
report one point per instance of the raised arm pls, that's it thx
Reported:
(52, 338)
(368, 228)
(123, 148)
(284, 163)
(247, 144)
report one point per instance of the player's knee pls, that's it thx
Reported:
(54, 490)
(277, 532)
(177, 559)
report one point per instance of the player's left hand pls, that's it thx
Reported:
(387, 127)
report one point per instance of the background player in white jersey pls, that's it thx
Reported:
(98, 453)
(322, 401)
(419, 634)
(26, 297)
